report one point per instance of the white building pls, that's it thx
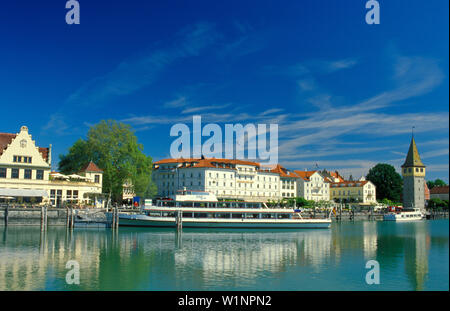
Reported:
(227, 179)
(312, 185)
(25, 175)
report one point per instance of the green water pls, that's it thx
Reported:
(412, 256)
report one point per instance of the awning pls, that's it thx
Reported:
(23, 193)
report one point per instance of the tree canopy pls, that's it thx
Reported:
(114, 147)
(436, 183)
(388, 182)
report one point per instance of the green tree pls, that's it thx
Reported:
(387, 181)
(113, 146)
(436, 183)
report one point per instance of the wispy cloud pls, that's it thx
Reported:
(140, 71)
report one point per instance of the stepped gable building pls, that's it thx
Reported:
(413, 172)
(26, 176)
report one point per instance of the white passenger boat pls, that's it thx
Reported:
(195, 209)
(404, 215)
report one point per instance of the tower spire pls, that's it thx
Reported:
(413, 157)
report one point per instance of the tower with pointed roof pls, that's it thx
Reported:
(413, 172)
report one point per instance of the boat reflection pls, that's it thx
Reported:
(163, 259)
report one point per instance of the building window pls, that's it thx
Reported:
(69, 194)
(40, 174)
(27, 174)
(75, 194)
(97, 179)
(15, 173)
(2, 172)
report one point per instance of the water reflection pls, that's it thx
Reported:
(163, 259)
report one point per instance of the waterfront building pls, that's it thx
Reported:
(313, 185)
(288, 182)
(360, 191)
(413, 172)
(439, 192)
(26, 176)
(227, 179)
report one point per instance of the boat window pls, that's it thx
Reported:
(154, 214)
(222, 215)
(252, 216)
(168, 214)
(237, 215)
(187, 214)
(284, 216)
(200, 215)
(267, 216)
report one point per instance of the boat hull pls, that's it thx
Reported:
(146, 221)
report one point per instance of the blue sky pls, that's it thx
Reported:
(345, 94)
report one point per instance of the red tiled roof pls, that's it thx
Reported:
(45, 152)
(5, 140)
(335, 174)
(91, 167)
(210, 160)
(305, 174)
(283, 172)
(439, 190)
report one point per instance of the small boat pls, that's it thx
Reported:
(404, 215)
(196, 209)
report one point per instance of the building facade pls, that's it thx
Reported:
(413, 172)
(312, 185)
(361, 191)
(439, 192)
(227, 179)
(25, 175)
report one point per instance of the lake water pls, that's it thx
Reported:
(411, 256)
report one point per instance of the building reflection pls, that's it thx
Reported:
(162, 259)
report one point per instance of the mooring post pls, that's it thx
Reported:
(117, 218)
(71, 218)
(42, 216)
(6, 215)
(113, 218)
(179, 220)
(45, 216)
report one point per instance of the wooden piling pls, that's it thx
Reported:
(179, 220)
(71, 218)
(42, 216)
(45, 216)
(6, 215)
(113, 218)
(117, 218)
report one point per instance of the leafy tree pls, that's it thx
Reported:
(436, 183)
(437, 203)
(114, 148)
(387, 181)
(302, 202)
